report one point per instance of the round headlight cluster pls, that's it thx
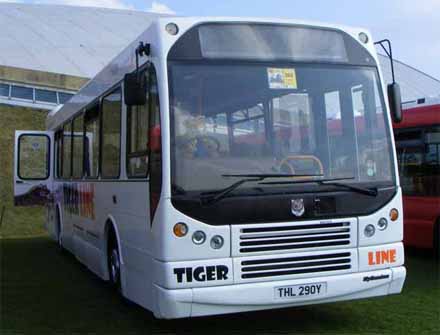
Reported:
(198, 237)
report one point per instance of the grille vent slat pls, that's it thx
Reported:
(275, 267)
(294, 237)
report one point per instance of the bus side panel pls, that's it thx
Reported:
(126, 204)
(420, 215)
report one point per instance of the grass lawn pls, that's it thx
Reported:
(46, 291)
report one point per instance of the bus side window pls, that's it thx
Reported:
(67, 150)
(111, 135)
(78, 147)
(137, 139)
(92, 143)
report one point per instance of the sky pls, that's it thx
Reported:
(413, 26)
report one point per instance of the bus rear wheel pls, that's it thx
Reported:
(114, 264)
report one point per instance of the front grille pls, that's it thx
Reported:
(298, 265)
(295, 237)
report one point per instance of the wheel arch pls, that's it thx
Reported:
(110, 225)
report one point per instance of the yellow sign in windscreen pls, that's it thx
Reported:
(281, 78)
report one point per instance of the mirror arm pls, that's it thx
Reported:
(142, 50)
(389, 53)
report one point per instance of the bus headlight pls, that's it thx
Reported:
(369, 230)
(199, 237)
(217, 242)
(382, 224)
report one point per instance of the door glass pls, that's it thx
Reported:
(33, 157)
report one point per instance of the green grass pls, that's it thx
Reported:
(45, 291)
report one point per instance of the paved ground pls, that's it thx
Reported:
(44, 291)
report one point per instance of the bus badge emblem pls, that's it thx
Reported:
(297, 207)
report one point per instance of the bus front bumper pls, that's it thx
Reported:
(182, 303)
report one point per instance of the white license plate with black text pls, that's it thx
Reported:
(300, 291)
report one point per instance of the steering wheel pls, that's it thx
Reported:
(286, 164)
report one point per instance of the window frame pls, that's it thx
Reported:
(58, 154)
(113, 90)
(68, 122)
(95, 110)
(48, 162)
(145, 71)
(74, 119)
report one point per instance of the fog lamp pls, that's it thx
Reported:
(172, 29)
(180, 229)
(394, 214)
(217, 242)
(382, 224)
(369, 230)
(199, 237)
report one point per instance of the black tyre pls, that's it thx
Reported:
(114, 263)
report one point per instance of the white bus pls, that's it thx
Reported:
(227, 165)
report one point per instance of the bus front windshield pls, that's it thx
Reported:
(232, 118)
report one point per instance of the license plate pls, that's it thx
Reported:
(300, 291)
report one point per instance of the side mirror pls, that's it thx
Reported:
(135, 89)
(395, 102)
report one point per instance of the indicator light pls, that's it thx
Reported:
(394, 214)
(180, 229)
(363, 38)
(172, 29)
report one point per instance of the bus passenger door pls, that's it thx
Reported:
(33, 171)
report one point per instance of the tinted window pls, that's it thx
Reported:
(67, 150)
(4, 90)
(91, 157)
(33, 157)
(419, 161)
(111, 134)
(304, 119)
(21, 92)
(46, 96)
(64, 97)
(78, 146)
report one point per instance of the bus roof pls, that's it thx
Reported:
(154, 34)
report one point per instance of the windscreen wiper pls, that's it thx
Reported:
(333, 181)
(211, 198)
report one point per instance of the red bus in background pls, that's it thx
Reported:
(418, 150)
